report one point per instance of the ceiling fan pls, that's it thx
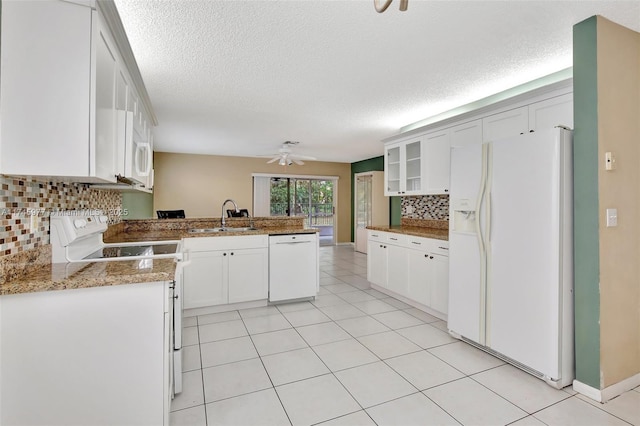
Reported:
(286, 157)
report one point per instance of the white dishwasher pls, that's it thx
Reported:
(293, 266)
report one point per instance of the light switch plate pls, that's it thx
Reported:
(612, 217)
(609, 161)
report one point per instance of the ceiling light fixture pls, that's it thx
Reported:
(381, 7)
(286, 156)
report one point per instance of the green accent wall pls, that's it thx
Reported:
(586, 228)
(138, 205)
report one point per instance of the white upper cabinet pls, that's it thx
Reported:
(467, 134)
(64, 86)
(436, 162)
(103, 157)
(417, 166)
(555, 111)
(506, 124)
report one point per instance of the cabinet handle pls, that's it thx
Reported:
(393, 239)
(443, 248)
(531, 131)
(446, 190)
(231, 253)
(426, 255)
(384, 247)
(430, 257)
(175, 297)
(224, 254)
(414, 242)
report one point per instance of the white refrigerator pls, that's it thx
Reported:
(511, 251)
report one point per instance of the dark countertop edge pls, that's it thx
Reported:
(433, 233)
(167, 235)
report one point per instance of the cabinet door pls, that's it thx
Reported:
(205, 279)
(377, 263)
(505, 124)
(248, 275)
(392, 175)
(436, 161)
(104, 155)
(121, 99)
(439, 282)
(397, 269)
(45, 86)
(467, 134)
(419, 274)
(412, 163)
(552, 112)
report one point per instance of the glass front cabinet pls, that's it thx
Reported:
(417, 166)
(403, 168)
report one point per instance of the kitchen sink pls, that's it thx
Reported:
(227, 229)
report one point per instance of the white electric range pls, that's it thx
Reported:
(77, 237)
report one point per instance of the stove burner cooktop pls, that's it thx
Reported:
(129, 251)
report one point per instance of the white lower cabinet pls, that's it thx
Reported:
(376, 260)
(414, 268)
(248, 275)
(418, 276)
(224, 270)
(205, 280)
(439, 282)
(89, 356)
(397, 276)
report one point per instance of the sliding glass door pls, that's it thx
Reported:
(312, 199)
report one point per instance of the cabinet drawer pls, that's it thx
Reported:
(440, 247)
(396, 239)
(378, 236)
(420, 243)
(225, 243)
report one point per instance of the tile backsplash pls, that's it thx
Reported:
(25, 206)
(434, 207)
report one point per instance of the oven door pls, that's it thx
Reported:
(177, 328)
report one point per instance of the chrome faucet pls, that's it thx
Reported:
(222, 219)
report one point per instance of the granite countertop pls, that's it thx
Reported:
(32, 271)
(64, 276)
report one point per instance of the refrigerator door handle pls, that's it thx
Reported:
(482, 243)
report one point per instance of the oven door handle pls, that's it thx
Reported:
(177, 304)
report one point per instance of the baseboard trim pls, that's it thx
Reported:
(193, 312)
(608, 393)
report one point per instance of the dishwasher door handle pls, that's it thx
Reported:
(292, 242)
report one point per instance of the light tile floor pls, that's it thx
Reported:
(354, 356)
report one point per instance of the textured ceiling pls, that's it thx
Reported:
(240, 77)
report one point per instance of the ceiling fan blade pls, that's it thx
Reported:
(273, 160)
(298, 162)
(303, 157)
